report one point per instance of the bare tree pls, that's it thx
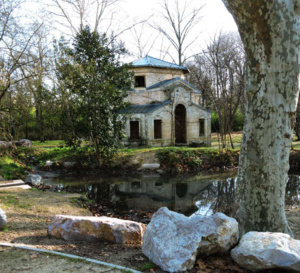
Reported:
(76, 14)
(142, 40)
(14, 41)
(179, 20)
(99, 15)
(40, 54)
(220, 72)
(270, 31)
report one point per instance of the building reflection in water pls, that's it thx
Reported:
(186, 194)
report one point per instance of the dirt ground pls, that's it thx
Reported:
(29, 213)
(20, 260)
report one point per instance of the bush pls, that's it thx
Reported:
(224, 158)
(178, 161)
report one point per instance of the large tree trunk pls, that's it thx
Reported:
(270, 33)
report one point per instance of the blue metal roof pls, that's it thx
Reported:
(167, 82)
(143, 109)
(154, 62)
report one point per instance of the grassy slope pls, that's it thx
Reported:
(12, 168)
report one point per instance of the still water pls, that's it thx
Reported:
(185, 194)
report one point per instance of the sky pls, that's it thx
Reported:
(215, 14)
(216, 18)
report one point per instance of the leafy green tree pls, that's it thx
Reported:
(93, 87)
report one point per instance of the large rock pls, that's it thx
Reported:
(173, 240)
(266, 250)
(34, 179)
(82, 228)
(3, 219)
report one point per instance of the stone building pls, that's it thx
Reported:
(164, 108)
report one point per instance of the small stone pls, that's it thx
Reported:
(48, 163)
(267, 250)
(3, 219)
(34, 179)
(33, 256)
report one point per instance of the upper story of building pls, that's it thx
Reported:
(150, 71)
(152, 77)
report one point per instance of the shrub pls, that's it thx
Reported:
(178, 160)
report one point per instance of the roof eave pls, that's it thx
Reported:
(185, 70)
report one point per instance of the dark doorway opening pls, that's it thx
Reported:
(157, 129)
(180, 124)
(134, 130)
(201, 127)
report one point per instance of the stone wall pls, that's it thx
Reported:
(155, 75)
(193, 115)
(146, 97)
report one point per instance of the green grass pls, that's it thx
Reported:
(11, 200)
(147, 266)
(12, 168)
(62, 154)
(48, 144)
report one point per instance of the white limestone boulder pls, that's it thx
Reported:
(267, 250)
(3, 219)
(172, 240)
(34, 179)
(84, 228)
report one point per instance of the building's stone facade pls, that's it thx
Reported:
(165, 103)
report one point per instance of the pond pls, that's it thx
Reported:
(186, 194)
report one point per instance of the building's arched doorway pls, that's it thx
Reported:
(180, 124)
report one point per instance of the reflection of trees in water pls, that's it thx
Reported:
(292, 196)
(219, 196)
(72, 188)
(100, 192)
